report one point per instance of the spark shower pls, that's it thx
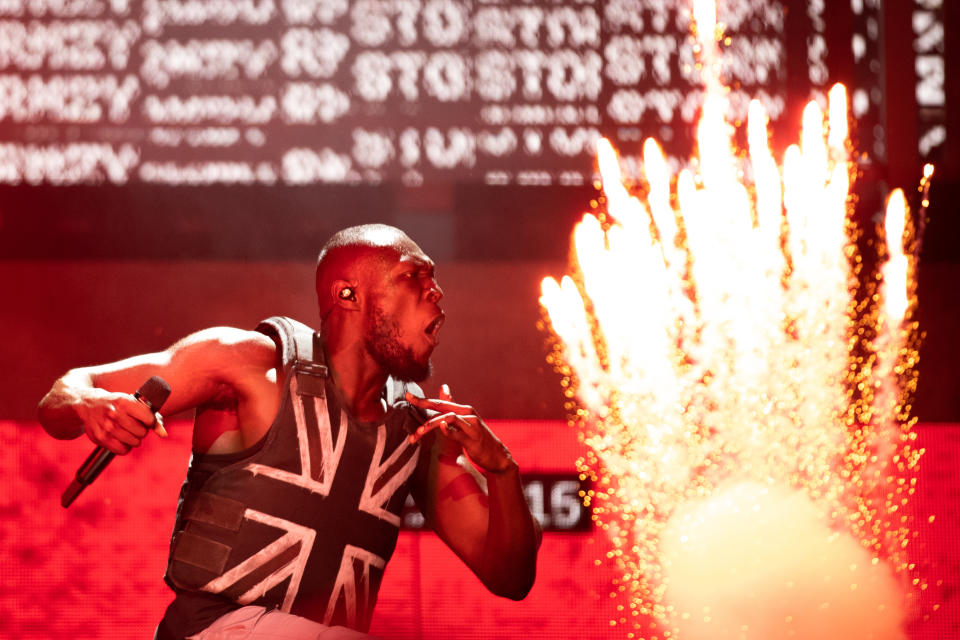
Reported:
(743, 382)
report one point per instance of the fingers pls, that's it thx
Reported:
(144, 417)
(111, 434)
(458, 427)
(135, 409)
(440, 405)
(109, 442)
(121, 423)
(455, 420)
(130, 430)
(158, 427)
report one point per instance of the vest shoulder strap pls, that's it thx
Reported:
(301, 352)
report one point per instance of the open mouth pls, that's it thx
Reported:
(433, 329)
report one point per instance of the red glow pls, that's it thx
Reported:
(94, 571)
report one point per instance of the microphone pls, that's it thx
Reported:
(153, 393)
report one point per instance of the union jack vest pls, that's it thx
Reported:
(306, 520)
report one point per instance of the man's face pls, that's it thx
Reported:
(403, 316)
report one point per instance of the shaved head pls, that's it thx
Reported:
(366, 235)
(353, 255)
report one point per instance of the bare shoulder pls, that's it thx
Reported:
(242, 360)
(199, 368)
(239, 345)
(215, 345)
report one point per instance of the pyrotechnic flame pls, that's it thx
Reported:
(719, 362)
(895, 270)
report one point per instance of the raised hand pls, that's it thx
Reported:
(461, 424)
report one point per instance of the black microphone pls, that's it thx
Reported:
(153, 393)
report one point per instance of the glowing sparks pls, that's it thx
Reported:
(720, 358)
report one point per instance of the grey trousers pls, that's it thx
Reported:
(258, 623)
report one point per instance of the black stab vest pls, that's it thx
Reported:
(306, 520)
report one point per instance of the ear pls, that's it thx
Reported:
(344, 294)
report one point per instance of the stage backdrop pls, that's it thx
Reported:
(94, 570)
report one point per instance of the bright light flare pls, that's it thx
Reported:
(722, 357)
(705, 19)
(837, 111)
(895, 270)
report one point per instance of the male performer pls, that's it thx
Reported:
(305, 446)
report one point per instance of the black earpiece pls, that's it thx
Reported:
(347, 294)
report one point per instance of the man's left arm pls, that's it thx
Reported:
(481, 515)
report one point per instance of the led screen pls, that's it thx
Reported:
(330, 91)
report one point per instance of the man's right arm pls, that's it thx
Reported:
(98, 400)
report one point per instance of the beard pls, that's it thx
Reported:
(383, 344)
